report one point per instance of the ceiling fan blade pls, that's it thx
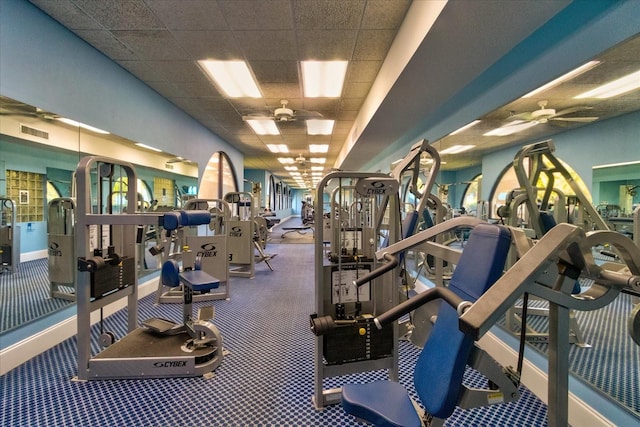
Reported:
(575, 119)
(521, 116)
(572, 110)
(306, 115)
(257, 117)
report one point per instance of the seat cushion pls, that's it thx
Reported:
(199, 281)
(382, 403)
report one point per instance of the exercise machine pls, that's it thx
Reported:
(9, 236)
(247, 234)
(535, 208)
(61, 259)
(365, 204)
(106, 250)
(441, 365)
(548, 270)
(204, 245)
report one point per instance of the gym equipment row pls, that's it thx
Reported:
(107, 273)
(9, 236)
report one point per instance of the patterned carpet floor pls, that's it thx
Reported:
(266, 380)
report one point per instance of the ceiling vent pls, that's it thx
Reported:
(34, 132)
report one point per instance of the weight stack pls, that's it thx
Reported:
(346, 344)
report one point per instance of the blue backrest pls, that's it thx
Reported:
(407, 228)
(441, 364)
(170, 273)
(547, 221)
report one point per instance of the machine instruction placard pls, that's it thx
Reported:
(343, 289)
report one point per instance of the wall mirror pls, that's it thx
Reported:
(39, 154)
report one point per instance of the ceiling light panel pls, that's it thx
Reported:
(617, 87)
(232, 77)
(286, 160)
(82, 125)
(320, 127)
(465, 127)
(148, 147)
(264, 127)
(514, 127)
(455, 149)
(565, 77)
(319, 148)
(323, 79)
(319, 160)
(278, 148)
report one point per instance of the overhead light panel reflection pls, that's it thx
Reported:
(617, 87)
(148, 147)
(455, 149)
(514, 127)
(82, 125)
(563, 78)
(232, 77)
(465, 127)
(323, 79)
(264, 127)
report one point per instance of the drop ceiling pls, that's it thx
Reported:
(160, 41)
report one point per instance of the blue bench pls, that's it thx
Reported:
(440, 367)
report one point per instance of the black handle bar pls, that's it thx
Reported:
(393, 263)
(414, 302)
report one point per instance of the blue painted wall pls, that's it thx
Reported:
(46, 65)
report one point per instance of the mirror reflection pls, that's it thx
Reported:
(40, 151)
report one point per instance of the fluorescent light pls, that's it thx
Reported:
(291, 168)
(286, 160)
(514, 127)
(82, 125)
(232, 77)
(616, 164)
(465, 127)
(318, 148)
(616, 87)
(455, 149)
(319, 160)
(316, 173)
(264, 127)
(294, 173)
(317, 168)
(139, 144)
(563, 78)
(323, 78)
(319, 127)
(278, 148)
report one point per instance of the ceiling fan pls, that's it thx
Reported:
(284, 114)
(544, 115)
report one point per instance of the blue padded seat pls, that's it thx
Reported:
(407, 228)
(388, 404)
(199, 281)
(441, 364)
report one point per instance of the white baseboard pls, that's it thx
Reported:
(18, 353)
(30, 256)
